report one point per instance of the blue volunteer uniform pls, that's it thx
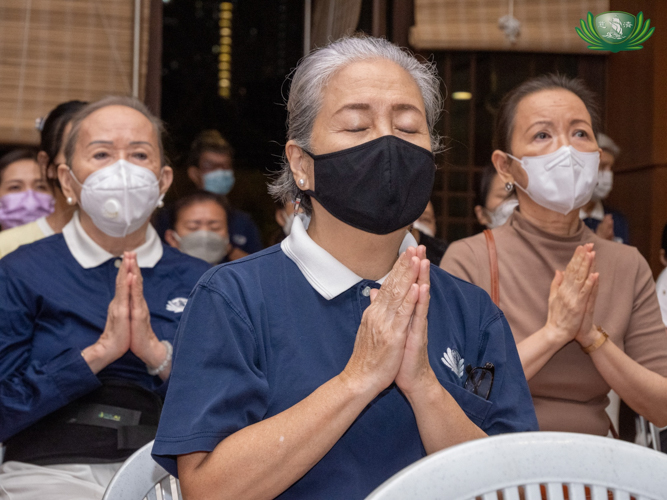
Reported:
(54, 297)
(243, 232)
(261, 334)
(592, 220)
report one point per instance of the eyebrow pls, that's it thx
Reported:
(133, 143)
(362, 106)
(550, 123)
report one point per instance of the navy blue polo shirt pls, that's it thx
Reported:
(54, 297)
(243, 232)
(261, 334)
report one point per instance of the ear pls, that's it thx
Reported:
(67, 184)
(194, 174)
(663, 260)
(169, 238)
(300, 164)
(481, 216)
(166, 178)
(280, 217)
(502, 163)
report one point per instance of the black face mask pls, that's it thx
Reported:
(379, 186)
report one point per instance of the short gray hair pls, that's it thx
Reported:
(314, 72)
(605, 143)
(128, 102)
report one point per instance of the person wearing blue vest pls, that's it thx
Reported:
(320, 367)
(87, 317)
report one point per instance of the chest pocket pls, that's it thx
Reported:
(473, 406)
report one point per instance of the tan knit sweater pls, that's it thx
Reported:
(569, 393)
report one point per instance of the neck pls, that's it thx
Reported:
(62, 212)
(588, 208)
(115, 246)
(370, 256)
(547, 220)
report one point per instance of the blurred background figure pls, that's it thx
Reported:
(424, 230)
(200, 228)
(495, 203)
(211, 168)
(53, 132)
(607, 223)
(661, 283)
(24, 193)
(284, 216)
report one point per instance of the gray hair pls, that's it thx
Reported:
(607, 144)
(129, 102)
(314, 72)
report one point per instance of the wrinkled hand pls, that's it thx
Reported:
(570, 293)
(605, 229)
(380, 343)
(143, 341)
(415, 366)
(587, 333)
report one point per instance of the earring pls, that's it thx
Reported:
(160, 204)
(302, 182)
(70, 200)
(509, 186)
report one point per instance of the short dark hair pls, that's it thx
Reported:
(488, 174)
(664, 238)
(208, 140)
(14, 156)
(53, 129)
(193, 199)
(508, 105)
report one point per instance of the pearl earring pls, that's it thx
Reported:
(302, 182)
(509, 186)
(70, 200)
(160, 204)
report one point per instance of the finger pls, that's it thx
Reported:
(374, 293)
(419, 319)
(584, 269)
(573, 265)
(396, 286)
(586, 289)
(136, 271)
(590, 303)
(555, 283)
(405, 311)
(421, 252)
(424, 277)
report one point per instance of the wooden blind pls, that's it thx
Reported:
(57, 50)
(546, 25)
(333, 19)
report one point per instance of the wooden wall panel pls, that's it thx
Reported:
(56, 50)
(546, 25)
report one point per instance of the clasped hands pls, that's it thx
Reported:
(572, 299)
(128, 326)
(391, 343)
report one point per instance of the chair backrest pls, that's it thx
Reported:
(533, 466)
(140, 477)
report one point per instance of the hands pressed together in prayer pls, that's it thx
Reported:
(391, 343)
(128, 326)
(572, 299)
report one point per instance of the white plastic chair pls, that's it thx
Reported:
(533, 462)
(140, 477)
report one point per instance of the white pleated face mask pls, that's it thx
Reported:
(563, 180)
(502, 212)
(604, 185)
(119, 198)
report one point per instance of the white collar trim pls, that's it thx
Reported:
(89, 254)
(597, 213)
(325, 274)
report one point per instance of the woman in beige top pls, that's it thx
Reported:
(562, 288)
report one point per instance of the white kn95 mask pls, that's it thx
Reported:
(563, 180)
(119, 198)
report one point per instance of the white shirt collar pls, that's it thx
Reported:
(597, 213)
(324, 273)
(45, 227)
(89, 254)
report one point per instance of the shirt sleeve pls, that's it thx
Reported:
(217, 385)
(30, 389)
(646, 337)
(459, 260)
(511, 407)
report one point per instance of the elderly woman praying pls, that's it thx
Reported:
(320, 367)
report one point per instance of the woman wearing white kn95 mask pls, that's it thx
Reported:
(88, 317)
(583, 309)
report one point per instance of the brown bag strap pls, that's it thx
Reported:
(493, 265)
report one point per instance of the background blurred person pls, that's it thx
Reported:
(607, 223)
(87, 316)
(583, 310)
(211, 168)
(200, 229)
(661, 283)
(495, 199)
(25, 195)
(53, 132)
(424, 230)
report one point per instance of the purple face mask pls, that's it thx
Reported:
(17, 209)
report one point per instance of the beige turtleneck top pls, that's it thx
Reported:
(569, 393)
